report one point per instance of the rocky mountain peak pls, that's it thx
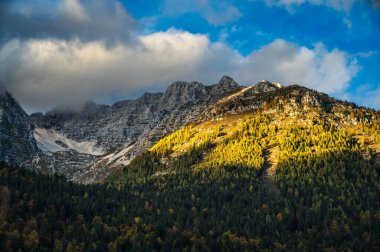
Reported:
(92, 108)
(227, 82)
(16, 139)
(150, 98)
(274, 97)
(266, 86)
(224, 86)
(180, 92)
(181, 87)
(8, 102)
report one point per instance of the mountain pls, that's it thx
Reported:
(73, 142)
(264, 96)
(17, 143)
(265, 167)
(182, 103)
(122, 123)
(87, 144)
(255, 127)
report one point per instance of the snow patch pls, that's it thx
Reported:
(52, 141)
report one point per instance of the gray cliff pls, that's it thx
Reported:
(133, 124)
(124, 122)
(17, 144)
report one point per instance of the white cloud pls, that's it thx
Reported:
(369, 96)
(46, 72)
(217, 12)
(75, 10)
(340, 5)
(282, 61)
(66, 19)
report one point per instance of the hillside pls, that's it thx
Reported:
(305, 180)
(266, 167)
(266, 139)
(276, 101)
(204, 188)
(252, 129)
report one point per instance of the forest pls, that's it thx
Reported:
(201, 188)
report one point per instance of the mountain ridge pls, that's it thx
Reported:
(123, 130)
(17, 143)
(119, 125)
(293, 101)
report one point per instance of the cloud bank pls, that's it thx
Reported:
(66, 19)
(66, 52)
(47, 72)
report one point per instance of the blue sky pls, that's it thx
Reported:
(108, 50)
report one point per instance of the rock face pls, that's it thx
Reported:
(182, 103)
(124, 122)
(107, 126)
(70, 163)
(132, 124)
(17, 144)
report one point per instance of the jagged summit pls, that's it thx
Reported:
(146, 99)
(147, 96)
(265, 86)
(135, 124)
(225, 78)
(183, 92)
(5, 95)
(16, 139)
(9, 103)
(227, 82)
(271, 97)
(225, 85)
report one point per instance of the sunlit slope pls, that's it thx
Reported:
(307, 181)
(260, 140)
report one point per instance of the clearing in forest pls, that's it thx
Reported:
(269, 169)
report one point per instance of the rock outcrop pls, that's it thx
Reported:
(124, 122)
(131, 124)
(182, 103)
(17, 143)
